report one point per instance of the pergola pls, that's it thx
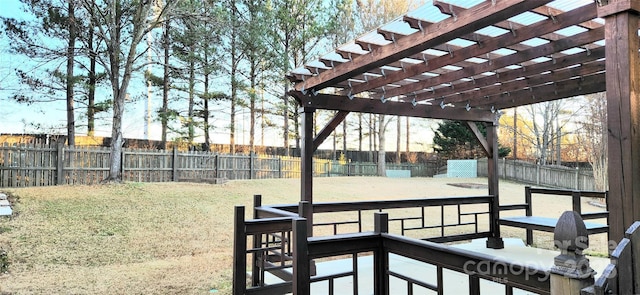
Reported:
(467, 63)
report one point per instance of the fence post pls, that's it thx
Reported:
(60, 163)
(577, 177)
(571, 271)
(326, 168)
(251, 165)
(122, 164)
(175, 163)
(538, 174)
(216, 163)
(279, 167)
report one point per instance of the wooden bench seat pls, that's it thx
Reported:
(548, 224)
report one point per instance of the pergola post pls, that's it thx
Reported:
(623, 112)
(306, 166)
(495, 241)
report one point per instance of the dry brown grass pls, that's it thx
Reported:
(165, 238)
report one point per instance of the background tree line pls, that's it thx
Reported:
(82, 49)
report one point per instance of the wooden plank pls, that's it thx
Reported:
(621, 257)
(633, 234)
(467, 22)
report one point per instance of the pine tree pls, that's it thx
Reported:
(57, 23)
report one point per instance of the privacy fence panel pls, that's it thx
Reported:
(147, 165)
(23, 165)
(550, 176)
(84, 165)
(193, 165)
(28, 165)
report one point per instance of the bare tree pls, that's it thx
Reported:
(548, 122)
(382, 129)
(122, 25)
(593, 137)
(372, 14)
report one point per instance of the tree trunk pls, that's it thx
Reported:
(398, 139)
(335, 143)
(117, 139)
(91, 95)
(192, 85)
(296, 124)
(371, 146)
(71, 124)
(359, 136)
(382, 167)
(515, 133)
(234, 82)
(165, 86)
(408, 141)
(205, 111)
(344, 138)
(252, 108)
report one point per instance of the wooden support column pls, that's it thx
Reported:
(495, 241)
(623, 113)
(306, 166)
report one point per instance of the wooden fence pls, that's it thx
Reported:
(23, 165)
(550, 176)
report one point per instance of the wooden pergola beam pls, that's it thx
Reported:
(330, 127)
(527, 71)
(396, 108)
(486, 46)
(516, 58)
(479, 16)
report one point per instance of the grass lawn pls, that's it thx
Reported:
(162, 238)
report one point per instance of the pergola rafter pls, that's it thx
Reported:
(485, 46)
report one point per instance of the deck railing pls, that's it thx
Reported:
(444, 219)
(377, 243)
(275, 244)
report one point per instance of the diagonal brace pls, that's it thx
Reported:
(326, 131)
(481, 139)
